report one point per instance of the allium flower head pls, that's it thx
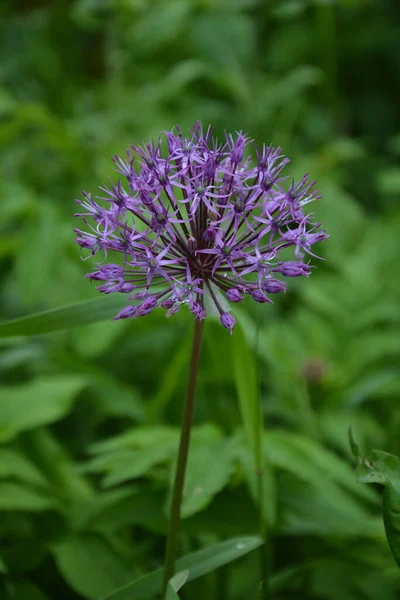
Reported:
(199, 225)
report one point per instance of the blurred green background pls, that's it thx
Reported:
(89, 417)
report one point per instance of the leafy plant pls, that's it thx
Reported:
(89, 408)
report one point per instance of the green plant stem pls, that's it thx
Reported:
(175, 513)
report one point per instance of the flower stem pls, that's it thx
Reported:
(174, 518)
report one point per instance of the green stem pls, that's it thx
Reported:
(175, 513)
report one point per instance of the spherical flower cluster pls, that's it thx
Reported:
(199, 225)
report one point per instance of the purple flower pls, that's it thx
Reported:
(233, 295)
(273, 286)
(126, 313)
(199, 224)
(293, 269)
(228, 321)
(259, 296)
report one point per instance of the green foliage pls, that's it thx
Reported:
(198, 564)
(31, 405)
(90, 412)
(176, 583)
(90, 566)
(383, 468)
(391, 517)
(76, 315)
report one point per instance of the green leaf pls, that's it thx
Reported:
(231, 502)
(178, 78)
(170, 379)
(267, 496)
(136, 464)
(311, 462)
(227, 44)
(258, 474)
(322, 508)
(133, 453)
(391, 519)
(199, 563)
(3, 566)
(90, 566)
(66, 317)
(171, 593)
(138, 437)
(389, 180)
(354, 445)
(332, 424)
(14, 496)
(40, 254)
(15, 465)
(381, 467)
(55, 462)
(37, 403)
(384, 468)
(121, 508)
(85, 513)
(207, 476)
(321, 492)
(167, 20)
(248, 392)
(175, 584)
(94, 339)
(28, 591)
(179, 580)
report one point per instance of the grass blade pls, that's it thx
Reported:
(198, 563)
(66, 317)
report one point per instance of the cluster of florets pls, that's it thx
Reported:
(199, 225)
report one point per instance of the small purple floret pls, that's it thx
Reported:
(228, 321)
(198, 311)
(167, 304)
(259, 296)
(233, 295)
(126, 313)
(273, 286)
(293, 269)
(198, 220)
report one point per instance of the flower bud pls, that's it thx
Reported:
(167, 304)
(146, 198)
(237, 151)
(150, 302)
(210, 168)
(258, 296)
(147, 306)
(228, 321)
(125, 288)
(233, 295)
(209, 234)
(273, 286)
(173, 310)
(126, 313)
(293, 269)
(198, 311)
(271, 207)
